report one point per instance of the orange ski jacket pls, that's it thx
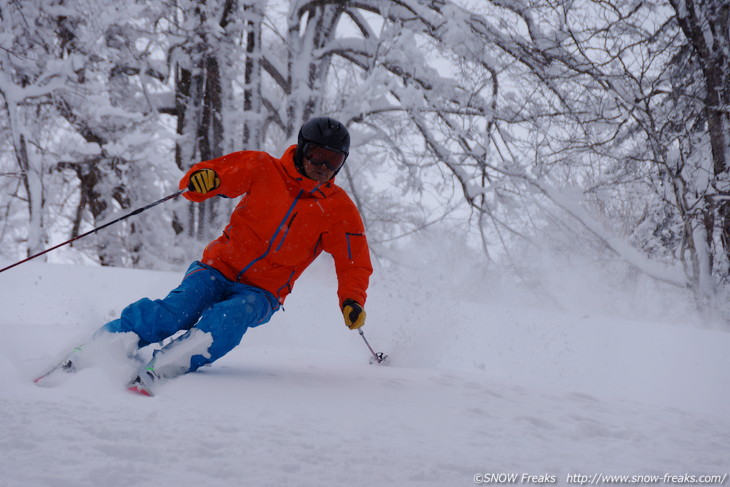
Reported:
(282, 223)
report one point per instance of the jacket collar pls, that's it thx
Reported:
(310, 186)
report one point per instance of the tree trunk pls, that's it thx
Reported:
(199, 114)
(252, 103)
(707, 27)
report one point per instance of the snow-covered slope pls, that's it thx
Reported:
(474, 389)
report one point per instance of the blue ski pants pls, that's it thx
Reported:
(205, 300)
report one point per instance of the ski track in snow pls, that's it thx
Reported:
(297, 403)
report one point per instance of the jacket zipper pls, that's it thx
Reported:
(286, 285)
(273, 237)
(286, 232)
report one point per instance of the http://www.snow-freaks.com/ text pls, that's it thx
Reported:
(600, 479)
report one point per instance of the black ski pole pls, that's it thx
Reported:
(135, 212)
(379, 357)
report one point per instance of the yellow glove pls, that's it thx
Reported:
(204, 181)
(353, 313)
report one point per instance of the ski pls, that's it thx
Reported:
(141, 390)
(144, 383)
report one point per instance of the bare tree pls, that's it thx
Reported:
(706, 26)
(519, 119)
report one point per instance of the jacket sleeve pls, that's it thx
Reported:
(235, 171)
(348, 245)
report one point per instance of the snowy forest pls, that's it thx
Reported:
(591, 129)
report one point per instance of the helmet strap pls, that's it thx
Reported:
(299, 159)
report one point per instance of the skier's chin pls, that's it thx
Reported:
(322, 178)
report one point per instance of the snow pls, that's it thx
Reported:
(476, 387)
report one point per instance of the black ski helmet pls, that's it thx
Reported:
(325, 132)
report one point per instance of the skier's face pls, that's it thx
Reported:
(321, 164)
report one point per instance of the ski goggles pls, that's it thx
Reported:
(323, 157)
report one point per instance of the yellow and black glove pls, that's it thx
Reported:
(204, 181)
(353, 313)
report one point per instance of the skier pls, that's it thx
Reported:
(290, 212)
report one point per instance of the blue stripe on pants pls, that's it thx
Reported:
(206, 300)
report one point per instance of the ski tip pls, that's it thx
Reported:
(142, 391)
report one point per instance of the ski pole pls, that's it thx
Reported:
(379, 357)
(135, 212)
